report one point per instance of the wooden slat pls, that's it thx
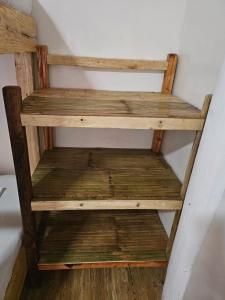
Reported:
(70, 179)
(188, 173)
(43, 79)
(24, 75)
(17, 31)
(90, 94)
(112, 122)
(108, 63)
(39, 204)
(103, 239)
(13, 103)
(167, 88)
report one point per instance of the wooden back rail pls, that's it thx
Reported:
(113, 64)
(107, 64)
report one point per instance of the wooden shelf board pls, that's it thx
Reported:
(108, 109)
(73, 178)
(97, 239)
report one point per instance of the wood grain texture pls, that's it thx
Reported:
(49, 204)
(94, 239)
(71, 178)
(169, 74)
(112, 122)
(98, 284)
(13, 103)
(90, 94)
(167, 88)
(80, 108)
(43, 83)
(24, 76)
(108, 63)
(17, 31)
(188, 173)
(17, 280)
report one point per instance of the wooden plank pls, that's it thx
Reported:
(108, 63)
(39, 204)
(74, 240)
(112, 122)
(188, 173)
(17, 31)
(17, 21)
(98, 284)
(90, 94)
(121, 108)
(94, 179)
(24, 75)
(167, 88)
(13, 103)
(17, 280)
(43, 79)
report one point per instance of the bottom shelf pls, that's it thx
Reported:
(102, 239)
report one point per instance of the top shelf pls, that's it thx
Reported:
(109, 109)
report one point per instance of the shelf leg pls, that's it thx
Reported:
(167, 88)
(13, 103)
(43, 82)
(187, 176)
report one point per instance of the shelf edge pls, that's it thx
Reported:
(112, 122)
(53, 205)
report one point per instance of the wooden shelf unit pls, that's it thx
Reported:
(98, 206)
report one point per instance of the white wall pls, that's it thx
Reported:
(108, 29)
(204, 195)
(201, 52)
(208, 268)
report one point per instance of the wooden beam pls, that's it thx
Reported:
(13, 103)
(114, 64)
(112, 122)
(17, 31)
(49, 204)
(24, 75)
(167, 88)
(43, 79)
(188, 173)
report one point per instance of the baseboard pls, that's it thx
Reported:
(19, 273)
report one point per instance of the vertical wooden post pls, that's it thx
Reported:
(187, 176)
(43, 81)
(167, 88)
(13, 102)
(24, 75)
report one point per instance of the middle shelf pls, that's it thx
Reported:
(93, 179)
